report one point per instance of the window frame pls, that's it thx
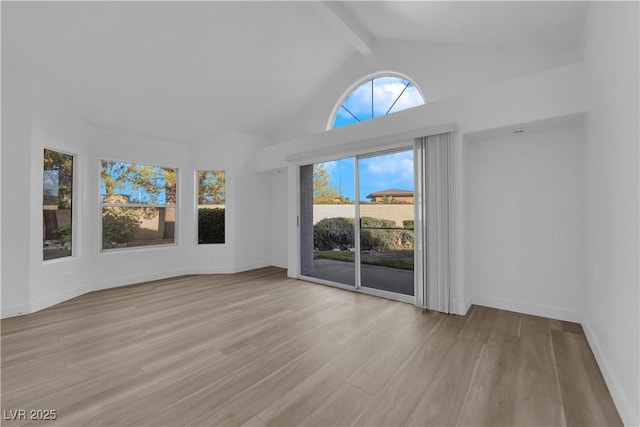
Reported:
(360, 82)
(103, 205)
(197, 206)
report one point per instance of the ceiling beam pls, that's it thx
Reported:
(337, 17)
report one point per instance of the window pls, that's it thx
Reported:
(211, 207)
(377, 97)
(57, 194)
(138, 204)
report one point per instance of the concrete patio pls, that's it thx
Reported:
(373, 276)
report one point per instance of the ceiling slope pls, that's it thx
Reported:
(180, 71)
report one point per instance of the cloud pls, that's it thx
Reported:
(386, 91)
(358, 102)
(391, 170)
(409, 98)
(331, 166)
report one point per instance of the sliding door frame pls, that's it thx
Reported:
(406, 146)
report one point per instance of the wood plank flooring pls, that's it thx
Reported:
(259, 349)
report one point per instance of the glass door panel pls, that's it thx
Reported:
(327, 221)
(386, 218)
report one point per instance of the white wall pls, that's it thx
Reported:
(52, 124)
(440, 70)
(211, 154)
(55, 126)
(523, 235)
(247, 229)
(279, 212)
(540, 96)
(16, 230)
(253, 226)
(36, 118)
(611, 294)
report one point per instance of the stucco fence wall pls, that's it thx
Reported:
(397, 213)
(156, 226)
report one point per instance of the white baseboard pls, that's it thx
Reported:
(124, 281)
(280, 263)
(58, 298)
(528, 308)
(253, 266)
(51, 300)
(462, 308)
(211, 270)
(15, 310)
(621, 400)
(228, 270)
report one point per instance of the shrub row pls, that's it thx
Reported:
(375, 233)
(211, 225)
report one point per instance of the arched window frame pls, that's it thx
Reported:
(361, 81)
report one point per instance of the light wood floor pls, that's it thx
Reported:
(259, 349)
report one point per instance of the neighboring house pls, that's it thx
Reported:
(392, 196)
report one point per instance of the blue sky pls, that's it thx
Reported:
(50, 183)
(375, 98)
(386, 91)
(376, 173)
(136, 193)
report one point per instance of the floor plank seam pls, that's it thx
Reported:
(557, 377)
(471, 383)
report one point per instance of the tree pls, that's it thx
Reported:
(146, 182)
(114, 175)
(170, 180)
(211, 188)
(323, 193)
(211, 221)
(150, 180)
(170, 185)
(390, 200)
(60, 166)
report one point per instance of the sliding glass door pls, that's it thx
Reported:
(386, 216)
(356, 223)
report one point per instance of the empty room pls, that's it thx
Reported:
(317, 213)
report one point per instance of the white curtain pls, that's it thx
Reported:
(432, 226)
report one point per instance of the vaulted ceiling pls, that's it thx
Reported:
(526, 24)
(184, 70)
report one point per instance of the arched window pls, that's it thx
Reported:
(376, 97)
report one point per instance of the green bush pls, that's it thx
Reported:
(375, 234)
(333, 233)
(408, 224)
(118, 225)
(210, 225)
(386, 239)
(63, 233)
(378, 234)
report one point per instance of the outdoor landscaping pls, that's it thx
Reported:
(399, 258)
(382, 242)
